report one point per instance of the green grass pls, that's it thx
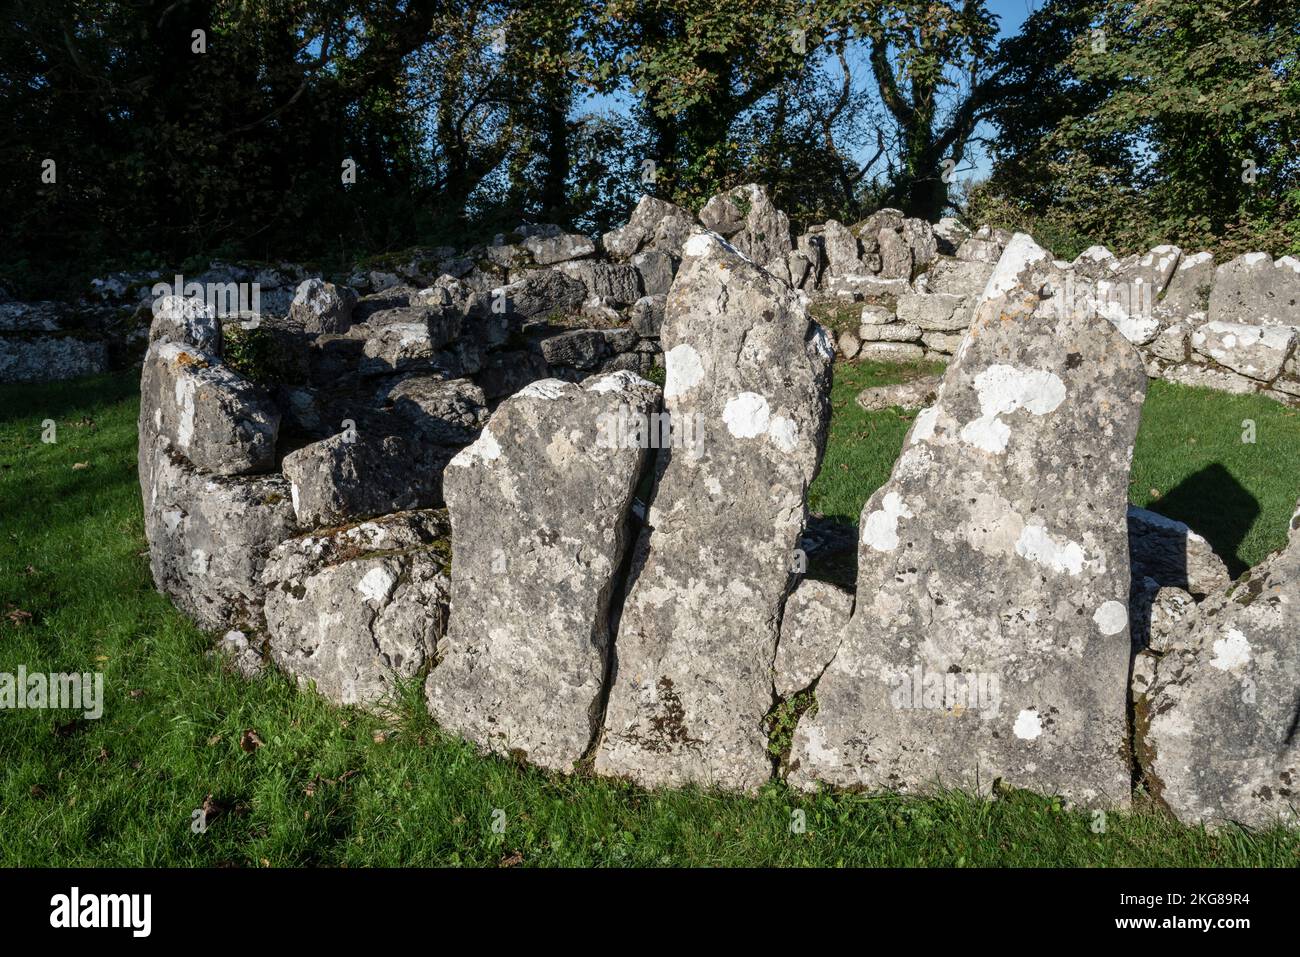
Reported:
(330, 787)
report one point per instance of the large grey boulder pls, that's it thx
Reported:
(621, 284)
(188, 321)
(321, 306)
(748, 369)
(221, 422)
(654, 224)
(548, 250)
(440, 411)
(747, 217)
(1216, 725)
(209, 536)
(1256, 290)
(1187, 294)
(990, 636)
(359, 473)
(539, 508)
(1256, 351)
(354, 609)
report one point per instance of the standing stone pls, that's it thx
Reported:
(1216, 728)
(990, 636)
(539, 508)
(748, 373)
(748, 217)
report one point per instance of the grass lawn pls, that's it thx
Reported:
(333, 786)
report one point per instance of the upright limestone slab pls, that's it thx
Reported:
(747, 375)
(990, 634)
(539, 508)
(1216, 729)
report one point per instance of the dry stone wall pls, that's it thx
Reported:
(456, 470)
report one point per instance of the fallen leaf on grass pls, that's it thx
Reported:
(250, 741)
(78, 466)
(511, 859)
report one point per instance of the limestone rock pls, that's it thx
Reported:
(187, 321)
(747, 216)
(351, 609)
(539, 509)
(815, 614)
(1215, 728)
(219, 421)
(749, 372)
(209, 536)
(1256, 351)
(990, 636)
(1187, 294)
(1254, 289)
(913, 394)
(654, 224)
(321, 306)
(547, 250)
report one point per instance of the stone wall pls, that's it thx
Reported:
(442, 479)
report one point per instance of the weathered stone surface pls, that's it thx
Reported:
(50, 358)
(656, 269)
(748, 217)
(209, 536)
(990, 637)
(848, 344)
(934, 312)
(891, 351)
(648, 315)
(945, 342)
(580, 348)
(539, 509)
(1204, 377)
(547, 250)
(188, 321)
(321, 306)
(619, 283)
(892, 332)
(815, 613)
(1253, 350)
(409, 346)
(843, 254)
(750, 372)
(540, 293)
(352, 609)
(357, 474)
(1171, 554)
(218, 420)
(440, 411)
(1171, 344)
(1215, 730)
(508, 372)
(654, 224)
(913, 394)
(958, 277)
(984, 245)
(1254, 289)
(1187, 294)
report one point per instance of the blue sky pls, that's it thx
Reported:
(1010, 13)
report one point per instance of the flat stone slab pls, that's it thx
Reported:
(990, 636)
(539, 506)
(749, 372)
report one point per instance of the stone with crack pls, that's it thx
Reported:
(815, 614)
(539, 506)
(990, 636)
(355, 609)
(1215, 727)
(749, 372)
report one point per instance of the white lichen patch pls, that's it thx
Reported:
(1060, 555)
(683, 370)
(1232, 651)
(619, 381)
(1028, 725)
(746, 415)
(483, 449)
(377, 584)
(880, 530)
(923, 430)
(1002, 389)
(546, 389)
(1111, 618)
(783, 433)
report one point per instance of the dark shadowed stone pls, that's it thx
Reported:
(747, 372)
(539, 509)
(990, 636)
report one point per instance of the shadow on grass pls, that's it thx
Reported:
(1217, 507)
(60, 400)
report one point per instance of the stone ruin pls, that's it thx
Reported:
(591, 571)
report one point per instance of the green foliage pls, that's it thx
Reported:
(257, 355)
